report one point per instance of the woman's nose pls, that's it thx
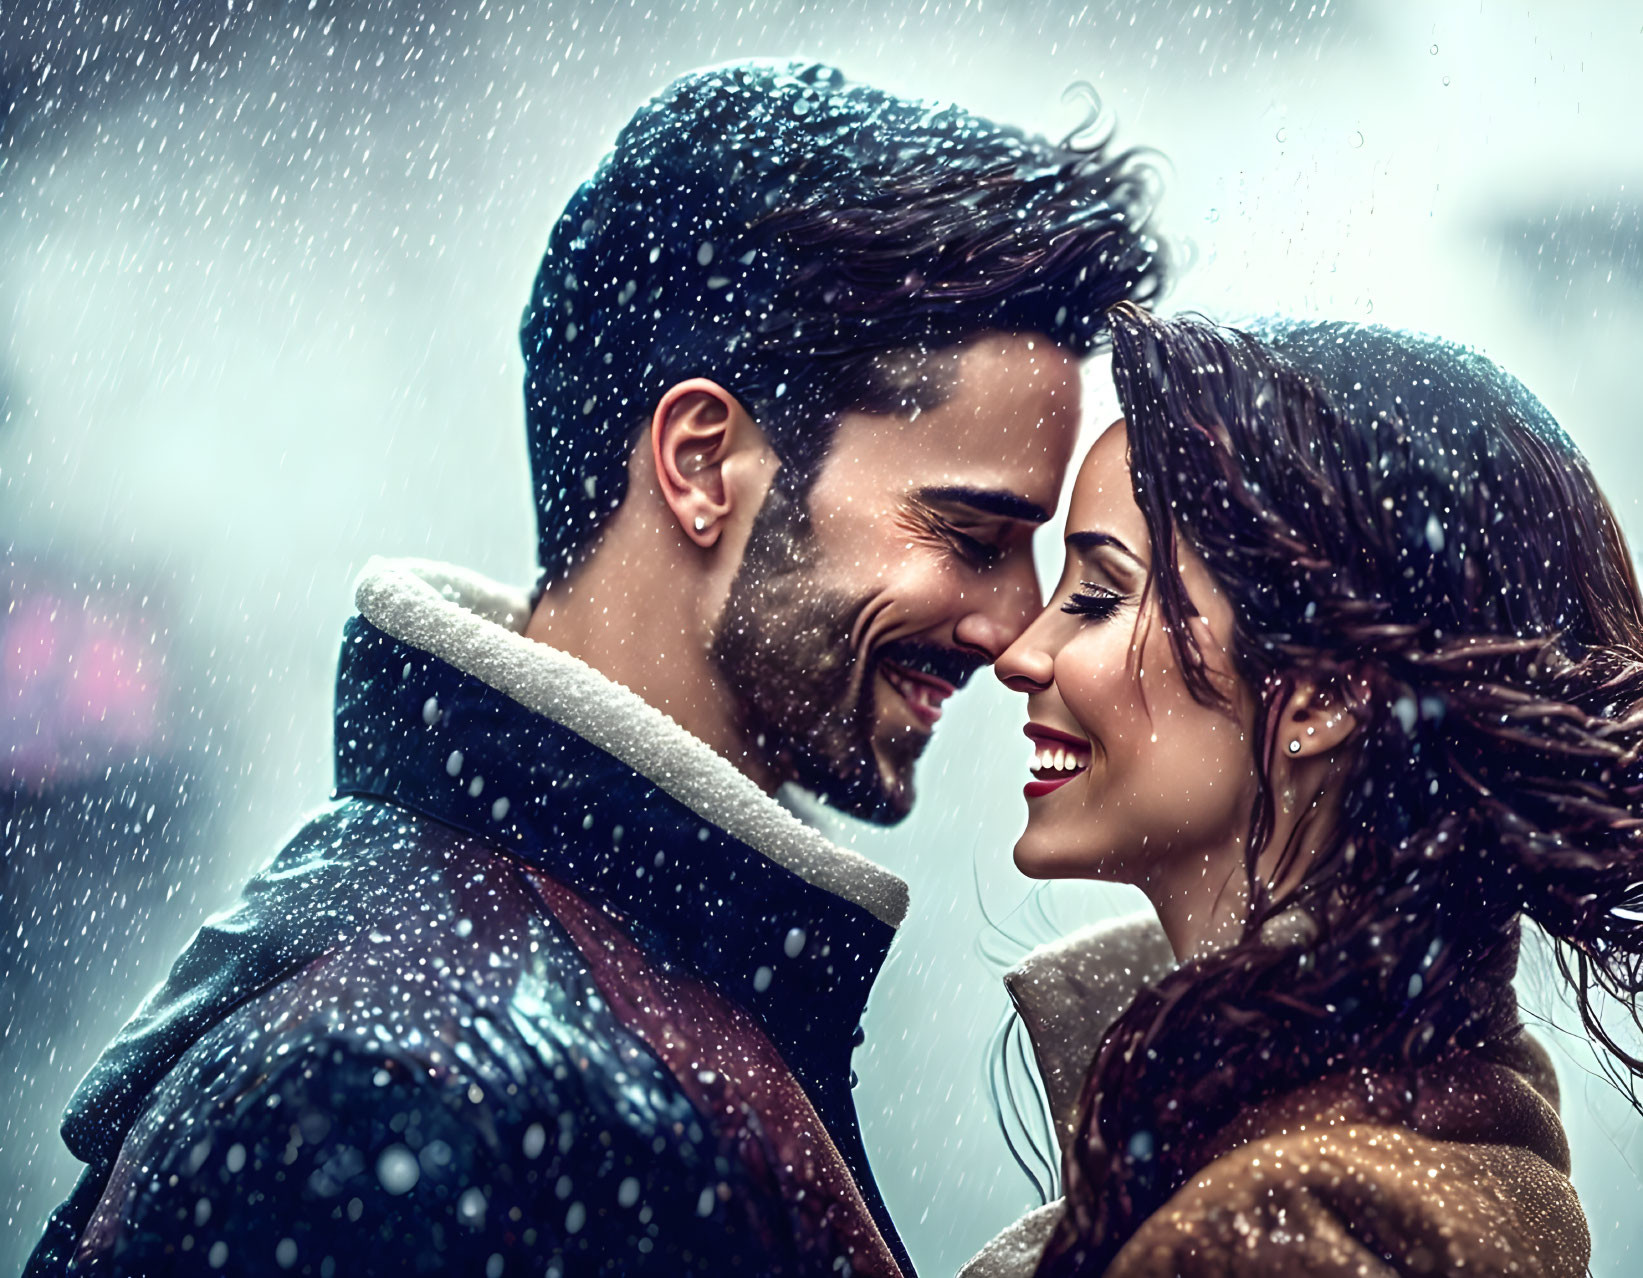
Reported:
(1025, 666)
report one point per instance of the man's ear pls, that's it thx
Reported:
(1317, 718)
(697, 425)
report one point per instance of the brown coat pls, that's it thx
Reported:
(1323, 1181)
(1319, 1183)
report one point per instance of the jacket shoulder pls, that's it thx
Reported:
(352, 1152)
(443, 1089)
(347, 867)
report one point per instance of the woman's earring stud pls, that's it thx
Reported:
(1294, 745)
(701, 523)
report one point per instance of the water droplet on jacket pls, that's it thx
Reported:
(397, 1170)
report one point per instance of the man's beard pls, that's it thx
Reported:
(805, 697)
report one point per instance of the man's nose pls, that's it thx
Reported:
(1000, 618)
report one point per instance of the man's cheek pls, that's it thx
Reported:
(912, 605)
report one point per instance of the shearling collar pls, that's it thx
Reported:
(475, 625)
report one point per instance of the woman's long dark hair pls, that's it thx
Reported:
(1397, 519)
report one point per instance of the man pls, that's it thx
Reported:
(557, 987)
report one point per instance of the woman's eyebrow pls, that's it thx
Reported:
(1087, 541)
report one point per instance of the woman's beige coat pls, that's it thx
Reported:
(1318, 1182)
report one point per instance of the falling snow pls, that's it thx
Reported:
(264, 272)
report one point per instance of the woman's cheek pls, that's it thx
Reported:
(1096, 687)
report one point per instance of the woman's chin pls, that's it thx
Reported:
(1038, 858)
(1040, 855)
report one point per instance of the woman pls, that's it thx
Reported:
(1344, 672)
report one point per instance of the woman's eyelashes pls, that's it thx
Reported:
(1093, 601)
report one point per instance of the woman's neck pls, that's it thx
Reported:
(1202, 899)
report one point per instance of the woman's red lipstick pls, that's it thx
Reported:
(1058, 757)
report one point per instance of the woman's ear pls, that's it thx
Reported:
(1317, 718)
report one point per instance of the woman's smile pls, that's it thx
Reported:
(1057, 758)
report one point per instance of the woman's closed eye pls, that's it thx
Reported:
(1094, 601)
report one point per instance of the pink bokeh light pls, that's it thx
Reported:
(80, 684)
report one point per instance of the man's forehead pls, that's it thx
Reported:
(1010, 428)
(1004, 431)
(1015, 356)
(1005, 468)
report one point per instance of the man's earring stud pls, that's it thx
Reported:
(701, 523)
(1294, 745)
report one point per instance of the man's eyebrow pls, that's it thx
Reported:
(990, 501)
(1087, 541)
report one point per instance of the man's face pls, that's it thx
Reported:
(908, 567)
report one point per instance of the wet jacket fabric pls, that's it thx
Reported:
(1323, 1181)
(552, 989)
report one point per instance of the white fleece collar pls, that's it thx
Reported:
(476, 625)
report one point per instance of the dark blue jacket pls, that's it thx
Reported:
(509, 1007)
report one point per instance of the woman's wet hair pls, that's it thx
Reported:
(802, 239)
(1399, 522)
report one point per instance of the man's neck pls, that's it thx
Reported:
(650, 641)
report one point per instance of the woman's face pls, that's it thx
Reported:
(1133, 779)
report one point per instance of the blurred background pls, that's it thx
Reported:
(261, 266)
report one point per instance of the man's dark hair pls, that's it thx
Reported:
(781, 231)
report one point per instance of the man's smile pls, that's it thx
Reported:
(922, 692)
